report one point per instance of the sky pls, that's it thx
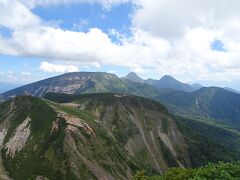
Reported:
(191, 40)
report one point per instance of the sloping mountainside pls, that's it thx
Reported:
(101, 136)
(81, 83)
(211, 102)
(204, 142)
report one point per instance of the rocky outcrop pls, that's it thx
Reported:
(19, 138)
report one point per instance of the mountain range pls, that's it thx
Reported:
(92, 125)
(103, 136)
(212, 103)
(166, 82)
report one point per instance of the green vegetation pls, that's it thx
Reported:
(220, 170)
(208, 143)
(214, 103)
(30, 160)
(108, 135)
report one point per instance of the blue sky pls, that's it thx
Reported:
(73, 17)
(40, 39)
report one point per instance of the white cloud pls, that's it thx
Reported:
(16, 16)
(26, 73)
(57, 68)
(105, 3)
(168, 37)
(171, 18)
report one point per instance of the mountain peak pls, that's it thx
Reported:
(132, 76)
(168, 77)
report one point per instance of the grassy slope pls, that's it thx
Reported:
(54, 156)
(212, 103)
(206, 141)
(30, 160)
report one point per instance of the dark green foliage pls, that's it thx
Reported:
(107, 98)
(219, 171)
(167, 155)
(218, 134)
(207, 143)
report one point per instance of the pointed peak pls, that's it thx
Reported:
(132, 76)
(168, 77)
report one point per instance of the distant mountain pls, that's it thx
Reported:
(169, 82)
(196, 86)
(151, 81)
(211, 102)
(7, 86)
(134, 77)
(98, 82)
(82, 83)
(232, 90)
(166, 82)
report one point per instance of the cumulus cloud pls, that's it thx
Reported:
(167, 37)
(172, 18)
(16, 16)
(57, 68)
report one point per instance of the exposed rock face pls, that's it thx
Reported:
(74, 123)
(72, 83)
(68, 83)
(19, 139)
